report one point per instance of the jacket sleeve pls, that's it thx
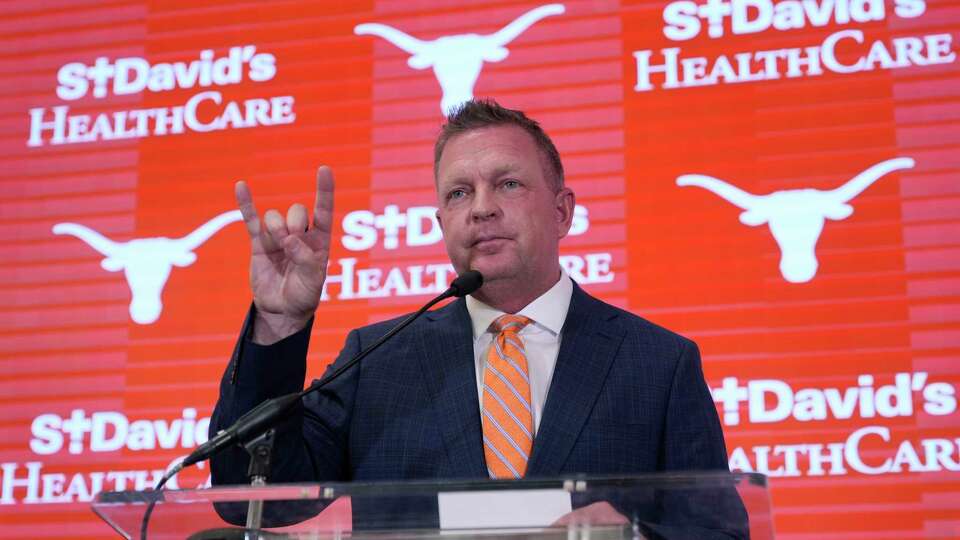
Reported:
(310, 445)
(693, 441)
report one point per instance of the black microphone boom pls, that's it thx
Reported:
(270, 412)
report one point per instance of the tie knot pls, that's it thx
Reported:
(509, 323)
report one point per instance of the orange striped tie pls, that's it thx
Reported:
(507, 416)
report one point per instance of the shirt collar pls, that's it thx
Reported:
(548, 311)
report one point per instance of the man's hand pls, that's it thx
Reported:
(288, 261)
(598, 513)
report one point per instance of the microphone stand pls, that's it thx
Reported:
(261, 452)
(261, 447)
(255, 429)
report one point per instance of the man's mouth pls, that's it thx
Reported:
(487, 241)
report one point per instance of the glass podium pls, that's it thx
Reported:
(656, 506)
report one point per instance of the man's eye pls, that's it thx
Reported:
(456, 194)
(511, 184)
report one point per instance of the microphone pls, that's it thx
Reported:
(466, 283)
(267, 414)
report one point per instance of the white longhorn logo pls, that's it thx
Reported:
(146, 262)
(796, 216)
(457, 60)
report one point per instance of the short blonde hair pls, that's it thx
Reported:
(482, 113)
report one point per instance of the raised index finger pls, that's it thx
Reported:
(323, 204)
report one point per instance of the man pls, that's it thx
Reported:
(529, 376)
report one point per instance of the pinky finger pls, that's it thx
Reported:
(245, 203)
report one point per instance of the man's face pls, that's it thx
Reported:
(498, 208)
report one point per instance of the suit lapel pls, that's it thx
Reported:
(587, 349)
(450, 374)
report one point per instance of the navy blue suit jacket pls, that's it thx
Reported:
(627, 397)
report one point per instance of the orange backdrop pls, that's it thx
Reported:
(776, 179)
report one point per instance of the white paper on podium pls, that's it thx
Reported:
(511, 508)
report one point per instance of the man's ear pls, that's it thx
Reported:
(439, 221)
(564, 203)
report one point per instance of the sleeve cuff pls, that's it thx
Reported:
(276, 369)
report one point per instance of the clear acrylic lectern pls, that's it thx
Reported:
(671, 506)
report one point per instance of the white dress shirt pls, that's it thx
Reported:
(541, 339)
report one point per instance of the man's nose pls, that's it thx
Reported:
(484, 206)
